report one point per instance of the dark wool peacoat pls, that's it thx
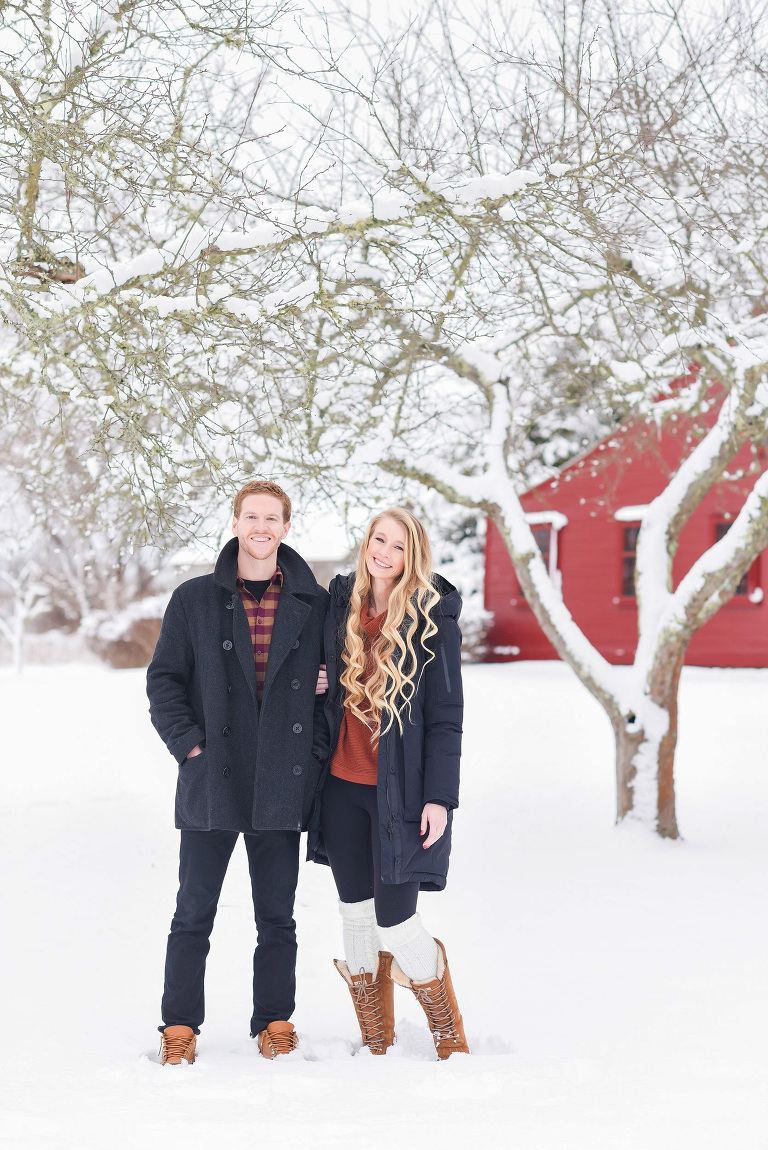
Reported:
(419, 765)
(260, 766)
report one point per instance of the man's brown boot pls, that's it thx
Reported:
(373, 999)
(438, 1002)
(178, 1042)
(278, 1038)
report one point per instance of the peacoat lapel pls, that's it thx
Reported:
(244, 643)
(290, 617)
(225, 574)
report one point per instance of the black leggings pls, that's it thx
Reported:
(349, 821)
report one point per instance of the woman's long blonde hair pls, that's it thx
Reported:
(393, 683)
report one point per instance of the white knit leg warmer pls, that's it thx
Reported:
(361, 940)
(414, 949)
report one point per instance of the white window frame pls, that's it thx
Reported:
(556, 521)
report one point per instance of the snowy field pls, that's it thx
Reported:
(613, 985)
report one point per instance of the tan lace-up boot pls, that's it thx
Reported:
(278, 1038)
(178, 1042)
(438, 1001)
(373, 999)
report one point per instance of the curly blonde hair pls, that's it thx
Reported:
(393, 683)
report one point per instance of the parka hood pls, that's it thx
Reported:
(449, 605)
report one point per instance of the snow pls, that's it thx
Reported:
(632, 514)
(166, 305)
(493, 186)
(297, 296)
(263, 235)
(628, 372)
(352, 211)
(556, 519)
(613, 984)
(110, 626)
(392, 204)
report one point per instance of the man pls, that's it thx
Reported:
(231, 688)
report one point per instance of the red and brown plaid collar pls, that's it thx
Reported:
(276, 578)
(261, 618)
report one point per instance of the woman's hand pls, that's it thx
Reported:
(434, 819)
(322, 680)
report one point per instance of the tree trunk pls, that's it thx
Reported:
(644, 759)
(627, 744)
(665, 687)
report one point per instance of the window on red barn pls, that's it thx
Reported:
(546, 539)
(628, 560)
(751, 579)
(543, 537)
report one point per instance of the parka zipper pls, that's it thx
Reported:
(445, 668)
(390, 825)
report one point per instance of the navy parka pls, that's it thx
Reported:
(260, 765)
(419, 765)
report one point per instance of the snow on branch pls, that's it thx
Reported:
(713, 578)
(494, 492)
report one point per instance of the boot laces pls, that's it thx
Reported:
(437, 1007)
(282, 1043)
(368, 1006)
(176, 1045)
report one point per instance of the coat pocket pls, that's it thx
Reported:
(410, 768)
(192, 805)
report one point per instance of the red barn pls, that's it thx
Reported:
(586, 523)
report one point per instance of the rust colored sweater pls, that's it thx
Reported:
(356, 757)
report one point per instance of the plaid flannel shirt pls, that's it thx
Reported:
(261, 618)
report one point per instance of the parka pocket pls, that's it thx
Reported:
(413, 793)
(445, 668)
(409, 759)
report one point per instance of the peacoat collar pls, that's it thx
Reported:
(297, 574)
(298, 596)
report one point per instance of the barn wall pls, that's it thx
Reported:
(630, 469)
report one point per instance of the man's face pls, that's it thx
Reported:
(260, 526)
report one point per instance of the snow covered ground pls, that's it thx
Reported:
(613, 985)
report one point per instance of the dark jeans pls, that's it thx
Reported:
(273, 860)
(349, 820)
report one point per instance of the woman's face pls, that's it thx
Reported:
(385, 554)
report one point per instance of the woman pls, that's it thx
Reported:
(383, 820)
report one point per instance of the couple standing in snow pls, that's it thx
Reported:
(365, 758)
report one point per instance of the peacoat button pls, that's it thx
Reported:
(295, 645)
(227, 644)
(226, 772)
(230, 605)
(295, 684)
(225, 730)
(391, 770)
(297, 728)
(297, 769)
